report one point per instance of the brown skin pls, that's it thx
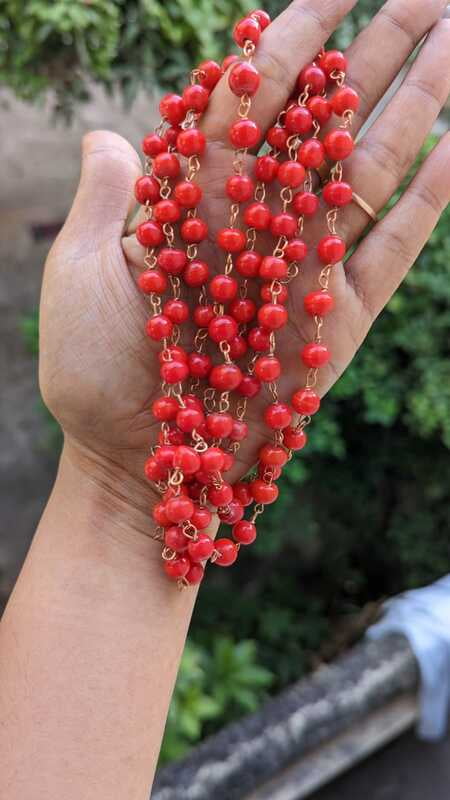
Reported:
(91, 640)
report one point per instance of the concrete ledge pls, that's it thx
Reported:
(307, 735)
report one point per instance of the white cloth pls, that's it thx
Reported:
(423, 616)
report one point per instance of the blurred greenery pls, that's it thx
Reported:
(364, 511)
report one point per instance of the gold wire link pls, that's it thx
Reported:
(177, 393)
(304, 96)
(273, 389)
(165, 190)
(324, 277)
(148, 166)
(238, 161)
(293, 270)
(161, 127)
(209, 399)
(224, 348)
(286, 195)
(331, 220)
(176, 334)
(260, 192)
(200, 444)
(190, 530)
(272, 343)
(249, 49)
(338, 76)
(224, 402)
(257, 510)
(155, 302)
(148, 210)
(176, 478)
(244, 106)
(308, 184)
(319, 326)
(243, 288)
(169, 234)
(251, 238)
(150, 259)
(193, 167)
(337, 172)
(303, 422)
(176, 286)
(191, 251)
(195, 74)
(316, 127)
(168, 554)
(165, 430)
(311, 378)
(234, 447)
(200, 338)
(241, 409)
(347, 118)
(189, 121)
(227, 270)
(158, 534)
(280, 246)
(234, 213)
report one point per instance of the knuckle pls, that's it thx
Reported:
(273, 68)
(402, 21)
(385, 156)
(428, 197)
(428, 89)
(398, 244)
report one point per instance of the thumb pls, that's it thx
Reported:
(105, 196)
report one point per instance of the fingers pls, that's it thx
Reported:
(385, 154)
(378, 53)
(293, 39)
(388, 252)
(105, 194)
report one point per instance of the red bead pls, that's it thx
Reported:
(259, 339)
(191, 142)
(212, 459)
(210, 74)
(174, 371)
(266, 168)
(173, 436)
(318, 304)
(231, 239)
(154, 471)
(187, 194)
(305, 401)
(331, 249)
(267, 368)
(247, 29)
(149, 233)
(200, 548)
(196, 97)
(333, 61)
(177, 311)
(147, 190)
(272, 316)
(238, 347)
(186, 458)
(153, 145)
(240, 188)
(177, 568)
(220, 495)
(160, 516)
(194, 230)
(258, 215)
(312, 77)
(277, 416)
(196, 273)
(337, 193)
(189, 419)
(244, 532)
(223, 288)
(293, 439)
(165, 408)
(338, 144)
(305, 204)
(267, 293)
(228, 552)
(159, 327)
(175, 539)
(345, 99)
(249, 386)
(167, 211)
(232, 513)
(245, 133)
(171, 134)
(273, 455)
(315, 355)
(283, 224)
(277, 138)
(172, 108)
(222, 328)
(152, 280)
(203, 315)
(239, 431)
(200, 365)
(269, 472)
(296, 250)
(219, 424)
(179, 509)
(242, 493)
(291, 173)
(311, 154)
(320, 108)
(195, 574)
(172, 353)
(243, 310)
(225, 377)
(192, 401)
(171, 260)
(265, 493)
(166, 165)
(298, 120)
(228, 61)
(201, 517)
(243, 79)
(248, 263)
(262, 17)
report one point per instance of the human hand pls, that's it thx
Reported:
(98, 372)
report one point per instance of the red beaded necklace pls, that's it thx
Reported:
(199, 437)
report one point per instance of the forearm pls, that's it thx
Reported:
(89, 649)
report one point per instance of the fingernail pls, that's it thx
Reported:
(447, 12)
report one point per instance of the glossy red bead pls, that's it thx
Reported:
(272, 316)
(305, 204)
(241, 491)
(201, 548)
(312, 77)
(220, 495)
(189, 419)
(203, 315)
(283, 224)
(231, 239)
(187, 194)
(277, 416)
(229, 60)
(166, 211)
(295, 440)
(191, 142)
(160, 516)
(277, 137)
(266, 168)
(270, 294)
(165, 409)
(177, 568)
(249, 386)
(174, 371)
(201, 517)
(247, 29)
(259, 339)
(196, 273)
(265, 493)
(337, 193)
(195, 574)
(333, 61)
(258, 215)
(179, 509)
(245, 133)
(153, 144)
(219, 424)
(238, 347)
(298, 120)
(248, 263)
(146, 190)
(262, 17)
(239, 431)
(305, 401)
(338, 144)
(225, 377)
(172, 352)
(267, 368)
(194, 230)
(243, 79)
(320, 108)
(175, 539)
(273, 455)
(152, 281)
(244, 532)
(228, 552)
(223, 288)
(296, 250)
(149, 233)
(186, 458)
(154, 471)
(166, 165)
(315, 355)
(311, 154)
(232, 512)
(177, 311)
(171, 260)
(196, 97)
(243, 310)
(210, 74)
(172, 108)
(319, 303)
(291, 173)
(331, 249)
(200, 365)
(222, 328)
(240, 188)
(345, 99)
(170, 136)
(159, 327)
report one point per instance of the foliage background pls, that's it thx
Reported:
(365, 509)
